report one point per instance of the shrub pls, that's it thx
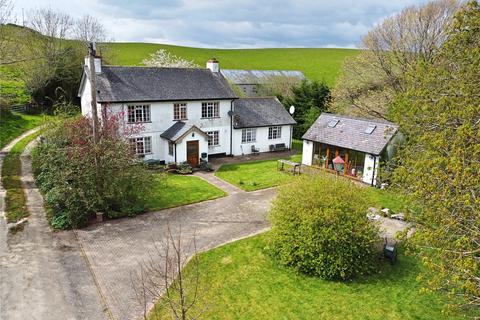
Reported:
(184, 168)
(319, 227)
(79, 178)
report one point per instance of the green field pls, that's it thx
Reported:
(16, 124)
(315, 63)
(243, 282)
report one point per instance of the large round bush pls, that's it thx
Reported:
(319, 227)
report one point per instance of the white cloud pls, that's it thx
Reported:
(233, 23)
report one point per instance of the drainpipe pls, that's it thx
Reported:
(175, 148)
(374, 169)
(231, 127)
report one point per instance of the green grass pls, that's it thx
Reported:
(13, 126)
(315, 63)
(297, 144)
(245, 283)
(176, 190)
(395, 201)
(15, 200)
(255, 175)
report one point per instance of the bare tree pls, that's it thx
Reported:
(89, 29)
(163, 279)
(7, 43)
(369, 80)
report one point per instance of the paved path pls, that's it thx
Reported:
(116, 248)
(43, 274)
(219, 183)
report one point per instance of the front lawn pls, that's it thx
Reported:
(254, 175)
(175, 190)
(245, 283)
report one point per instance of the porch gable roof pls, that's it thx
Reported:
(180, 129)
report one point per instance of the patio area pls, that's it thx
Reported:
(218, 162)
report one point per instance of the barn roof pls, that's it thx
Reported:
(125, 84)
(258, 76)
(260, 112)
(365, 135)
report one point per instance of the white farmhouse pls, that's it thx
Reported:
(360, 144)
(187, 114)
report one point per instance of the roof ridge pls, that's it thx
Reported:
(375, 120)
(149, 67)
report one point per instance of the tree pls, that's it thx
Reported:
(89, 29)
(52, 68)
(162, 58)
(80, 177)
(164, 278)
(310, 98)
(439, 114)
(369, 81)
(320, 228)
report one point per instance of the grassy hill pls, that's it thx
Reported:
(315, 63)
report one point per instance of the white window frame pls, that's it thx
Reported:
(210, 109)
(274, 132)
(213, 138)
(249, 135)
(138, 113)
(141, 145)
(180, 111)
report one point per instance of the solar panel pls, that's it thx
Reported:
(370, 129)
(333, 123)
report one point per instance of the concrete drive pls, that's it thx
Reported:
(116, 248)
(43, 274)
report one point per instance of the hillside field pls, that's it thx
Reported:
(315, 63)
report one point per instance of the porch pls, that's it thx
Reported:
(323, 156)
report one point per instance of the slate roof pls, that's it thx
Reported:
(258, 76)
(126, 84)
(178, 130)
(349, 133)
(260, 112)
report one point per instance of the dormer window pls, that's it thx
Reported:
(139, 113)
(370, 129)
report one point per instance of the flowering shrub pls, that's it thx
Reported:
(319, 227)
(79, 177)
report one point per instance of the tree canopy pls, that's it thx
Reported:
(440, 165)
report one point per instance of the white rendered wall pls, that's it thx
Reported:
(307, 153)
(161, 115)
(369, 174)
(262, 142)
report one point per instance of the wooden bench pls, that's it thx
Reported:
(278, 147)
(281, 165)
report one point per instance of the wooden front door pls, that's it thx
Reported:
(192, 153)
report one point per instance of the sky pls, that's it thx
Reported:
(232, 23)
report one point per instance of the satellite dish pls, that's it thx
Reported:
(292, 109)
(230, 113)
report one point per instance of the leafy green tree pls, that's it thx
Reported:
(310, 98)
(440, 165)
(79, 177)
(320, 228)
